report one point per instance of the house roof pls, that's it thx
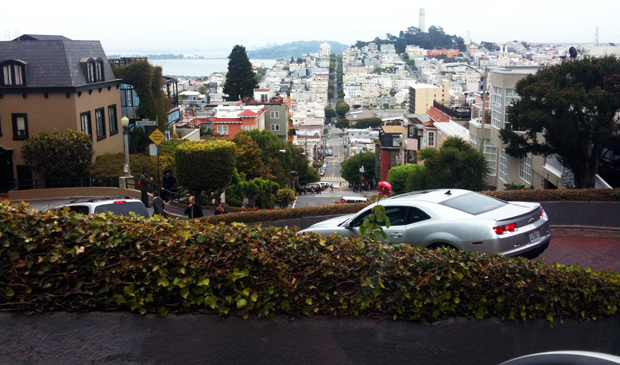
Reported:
(54, 61)
(437, 115)
(393, 129)
(247, 114)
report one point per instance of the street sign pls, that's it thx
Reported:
(146, 122)
(362, 178)
(157, 137)
(568, 179)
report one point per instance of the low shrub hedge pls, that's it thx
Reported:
(60, 261)
(528, 195)
(531, 195)
(266, 215)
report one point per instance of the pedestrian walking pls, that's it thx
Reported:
(159, 207)
(331, 188)
(194, 210)
(170, 185)
(143, 183)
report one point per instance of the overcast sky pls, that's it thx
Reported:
(216, 26)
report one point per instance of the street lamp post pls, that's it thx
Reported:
(125, 123)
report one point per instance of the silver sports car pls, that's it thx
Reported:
(455, 218)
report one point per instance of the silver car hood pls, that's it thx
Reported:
(332, 222)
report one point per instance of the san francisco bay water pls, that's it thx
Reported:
(196, 67)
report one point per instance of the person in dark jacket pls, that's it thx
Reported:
(220, 210)
(159, 207)
(169, 185)
(143, 183)
(194, 210)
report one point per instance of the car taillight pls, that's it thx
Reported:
(502, 229)
(119, 201)
(541, 212)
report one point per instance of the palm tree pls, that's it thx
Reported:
(456, 164)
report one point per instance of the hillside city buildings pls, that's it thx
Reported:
(51, 82)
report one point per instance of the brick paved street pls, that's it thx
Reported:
(594, 252)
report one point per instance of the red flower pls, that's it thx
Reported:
(255, 208)
(385, 188)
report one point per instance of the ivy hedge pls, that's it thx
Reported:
(61, 261)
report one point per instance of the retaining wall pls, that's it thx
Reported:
(126, 338)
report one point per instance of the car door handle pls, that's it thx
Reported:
(396, 234)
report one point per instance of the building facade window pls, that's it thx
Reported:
(94, 70)
(13, 73)
(274, 115)
(100, 123)
(430, 139)
(490, 153)
(99, 70)
(20, 126)
(275, 127)
(503, 165)
(85, 123)
(496, 107)
(112, 119)
(525, 171)
(222, 129)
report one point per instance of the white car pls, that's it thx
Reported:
(116, 205)
(455, 218)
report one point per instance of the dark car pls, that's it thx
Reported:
(609, 167)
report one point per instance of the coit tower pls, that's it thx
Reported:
(422, 25)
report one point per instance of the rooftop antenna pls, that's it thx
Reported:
(8, 34)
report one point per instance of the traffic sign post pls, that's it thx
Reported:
(157, 137)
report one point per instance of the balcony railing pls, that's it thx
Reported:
(458, 113)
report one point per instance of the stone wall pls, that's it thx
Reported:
(126, 338)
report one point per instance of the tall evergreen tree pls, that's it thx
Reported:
(240, 80)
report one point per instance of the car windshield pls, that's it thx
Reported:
(123, 208)
(474, 203)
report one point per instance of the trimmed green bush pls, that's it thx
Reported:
(61, 261)
(205, 166)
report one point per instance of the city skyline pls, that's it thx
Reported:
(216, 27)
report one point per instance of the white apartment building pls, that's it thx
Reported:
(325, 49)
(532, 171)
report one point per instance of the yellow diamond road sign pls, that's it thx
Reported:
(157, 137)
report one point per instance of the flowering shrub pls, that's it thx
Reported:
(370, 225)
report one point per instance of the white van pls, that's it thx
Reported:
(352, 199)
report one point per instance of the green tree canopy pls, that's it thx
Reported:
(350, 169)
(147, 80)
(342, 108)
(342, 124)
(374, 122)
(240, 79)
(567, 110)
(59, 155)
(398, 176)
(301, 166)
(329, 112)
(278, 163)
(456, 164)
(249, 157)
(205, 165)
